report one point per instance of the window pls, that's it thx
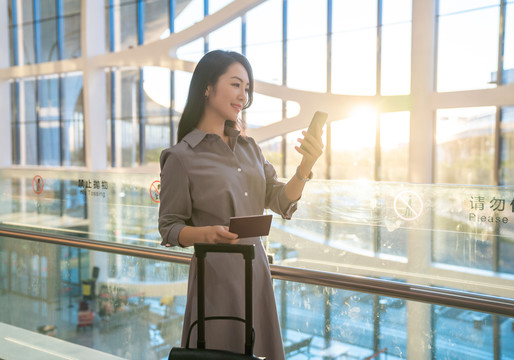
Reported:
(156, 20)
(467, 48)
(264, 43)
(465, 146)
(353, 147)
(72, 116)
(51, 133)
(394, 146)
(156, 111)
(507, 146)
(227, 37)
(306, 35)
(354, 47)
(396, 47)
(508, 51)
(265, 110)
(43, 31)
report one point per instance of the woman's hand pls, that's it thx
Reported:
(189, 235)
(311, 148)
(219, 235)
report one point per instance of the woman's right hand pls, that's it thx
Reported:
(219, 234)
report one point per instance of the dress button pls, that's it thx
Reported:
(239, 170)
(246, 194)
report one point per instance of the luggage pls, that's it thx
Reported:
(201, 352)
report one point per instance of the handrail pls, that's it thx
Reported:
(433, 295)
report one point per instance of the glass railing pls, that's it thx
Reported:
(433, 237)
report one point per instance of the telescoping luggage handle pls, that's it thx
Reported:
(248, 252)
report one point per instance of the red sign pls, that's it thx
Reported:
(155, 191)
(38, 184)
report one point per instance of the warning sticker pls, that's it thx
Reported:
(38, 184)
(155, 191)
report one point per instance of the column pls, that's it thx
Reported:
(420, 167)
(95, 108)
(5, 91)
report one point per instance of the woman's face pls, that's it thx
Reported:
(227, 97)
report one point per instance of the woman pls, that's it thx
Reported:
(213, 173)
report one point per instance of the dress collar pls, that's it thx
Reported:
(196, 136)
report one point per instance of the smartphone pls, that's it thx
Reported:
(318, 121)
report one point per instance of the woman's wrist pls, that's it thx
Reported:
(303, 175)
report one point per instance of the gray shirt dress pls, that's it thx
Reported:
(204, 182)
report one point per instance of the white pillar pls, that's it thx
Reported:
(5, 91)
(420, 167)
(95, 109)
(422, 87)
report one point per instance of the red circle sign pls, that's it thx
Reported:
(155, 191)
(38, 184)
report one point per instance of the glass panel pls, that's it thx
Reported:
(27, 12)
(454, 6)
(10, 14)
(265, 110)
(27, 55)
(293, 157)
(137, 313)
(49, 48)
(465, 146)
(394, 146)
(181, 89)
(227, 37)
(306, 31)
(47, 9)
(467, 54)
(28, 130)
(49, 116)
(354, 34)
(71, 7)
(396, 11)
(156, 20)
(125, 26)
(450, 325)
(72, 31)
(506, 243)
(108, 25)
(156, 110)
(15, 125)
(48, 98)
(353, 147)
(272, 151)
(188, 13)
(264, 36)
(28, 137)
(507, 146)
(396, 47)
(126, 138)
(12, 51)
(215, 5)
(508, 51)
(73, 120)
(157, 137)
(156, 90)
(192, 51)
(73, 142)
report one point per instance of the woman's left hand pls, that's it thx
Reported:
(311, 148)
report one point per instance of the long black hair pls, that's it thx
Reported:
(207, 72)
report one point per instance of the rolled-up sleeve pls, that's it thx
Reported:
(175, 200)
(276, 199)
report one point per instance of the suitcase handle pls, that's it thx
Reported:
(234, 318)
(248, 252)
